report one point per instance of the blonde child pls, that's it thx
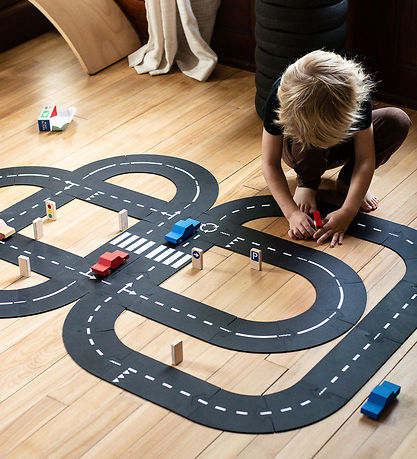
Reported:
(319, 116)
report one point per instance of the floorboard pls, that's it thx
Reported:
(49, 406)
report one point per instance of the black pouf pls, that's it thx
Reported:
(294, 45)
(303, 3)
(287, 29)
(308, 20)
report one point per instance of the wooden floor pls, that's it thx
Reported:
(50, 407)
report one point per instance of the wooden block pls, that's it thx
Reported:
(176, 352)
(123, 223)
(50, 207)
(24, 266)
(37, 228)
(256, 259)
(197, 261)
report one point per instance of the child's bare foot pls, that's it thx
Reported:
(370, 201)
(305, 198)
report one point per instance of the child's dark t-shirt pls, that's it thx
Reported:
(272, 104)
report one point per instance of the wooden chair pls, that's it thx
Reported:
(96, 30)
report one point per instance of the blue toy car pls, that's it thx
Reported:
(181, 230)
(379, 399)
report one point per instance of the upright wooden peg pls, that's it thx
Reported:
(123, 223)
(256, 259)
(176, 352)
(37, 228)
(50, 207)
(24, 266)
(197, 261)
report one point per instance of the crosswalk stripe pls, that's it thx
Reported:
(156, 251)
(145, 247)
(130, 242)
(136, 244)
(181, 261)
(127, 241)
(120, 238)
(164, 254)
(172, 258)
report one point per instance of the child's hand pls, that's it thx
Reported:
(335, 225)
(305, 198)
(301, 225)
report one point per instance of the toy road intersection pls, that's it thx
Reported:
(89, 334)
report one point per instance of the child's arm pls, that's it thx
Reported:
(336, 223)
(301, 225)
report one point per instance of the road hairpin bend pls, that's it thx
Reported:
(89, 334)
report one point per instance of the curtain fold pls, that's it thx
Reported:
(179, 32)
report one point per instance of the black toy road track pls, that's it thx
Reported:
(89, 334)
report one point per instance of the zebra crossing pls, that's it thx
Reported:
(161, 254)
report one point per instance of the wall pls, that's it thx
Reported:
(382, 33)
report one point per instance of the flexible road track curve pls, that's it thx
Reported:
(89, 328)
(322, 391)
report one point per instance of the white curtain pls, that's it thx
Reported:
(179, 31)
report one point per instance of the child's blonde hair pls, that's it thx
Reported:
(320, 99)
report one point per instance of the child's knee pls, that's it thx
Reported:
(398, 122)
(391, 126)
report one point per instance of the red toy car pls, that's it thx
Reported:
(317, 219)
(109, 262)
